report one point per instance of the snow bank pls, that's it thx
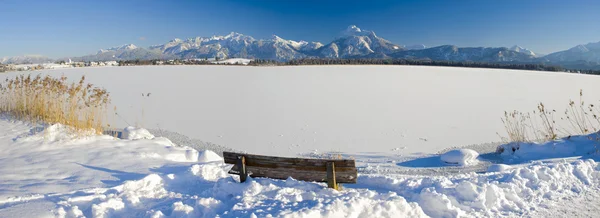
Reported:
(134, 133)
(206, 190)
(462, 157)
(55, 133)
(106, 177)
(572, 146)
(513, 192)
(38, 161)
(190, 194)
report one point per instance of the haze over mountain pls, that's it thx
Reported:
(353, 42)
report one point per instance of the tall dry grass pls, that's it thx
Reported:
(578, 119)
(51, 100)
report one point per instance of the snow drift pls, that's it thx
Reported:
(460, 157)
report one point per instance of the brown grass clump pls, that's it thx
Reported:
(581, 119)
(49, 100)
(548, 130)
(515, 124)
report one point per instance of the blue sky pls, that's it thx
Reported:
(78, 27)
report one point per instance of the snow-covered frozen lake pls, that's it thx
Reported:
(352, 109)
(390, 119)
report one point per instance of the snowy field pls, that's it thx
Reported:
(394, 120)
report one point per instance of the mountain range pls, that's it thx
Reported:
(353, 42)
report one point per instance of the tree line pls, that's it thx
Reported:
(319, 61)
(374, 61)
(172, 62)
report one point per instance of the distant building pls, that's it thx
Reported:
(111, 63)
(56, 66)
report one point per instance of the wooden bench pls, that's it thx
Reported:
(331, 171)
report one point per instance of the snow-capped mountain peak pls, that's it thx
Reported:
(232, 35)
(277, 38)
(580, 48)
(124, 47)
(353, 30)
(593, 46)
(522, 50)
(117, 48)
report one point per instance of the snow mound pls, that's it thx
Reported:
(462, 157)
(209, 156)
(208, 172)
(498, 168)
(135, 133)
(512, 193)
(220, 196)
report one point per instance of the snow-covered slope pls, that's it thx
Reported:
(27, 59)
(415, 47)
(454, 53)
(123, 47)
(589, 52)
(354, 42)
(126, 52)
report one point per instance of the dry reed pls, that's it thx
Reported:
(581, 119)
(50, 100)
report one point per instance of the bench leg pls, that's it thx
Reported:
(241, 165)
(331, 183)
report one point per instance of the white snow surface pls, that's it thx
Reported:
(100, 176)
(461, 157)
(209, 156)
(498, 168)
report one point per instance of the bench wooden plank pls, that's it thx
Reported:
(260, 160)
(349, 175)
(298, 168)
